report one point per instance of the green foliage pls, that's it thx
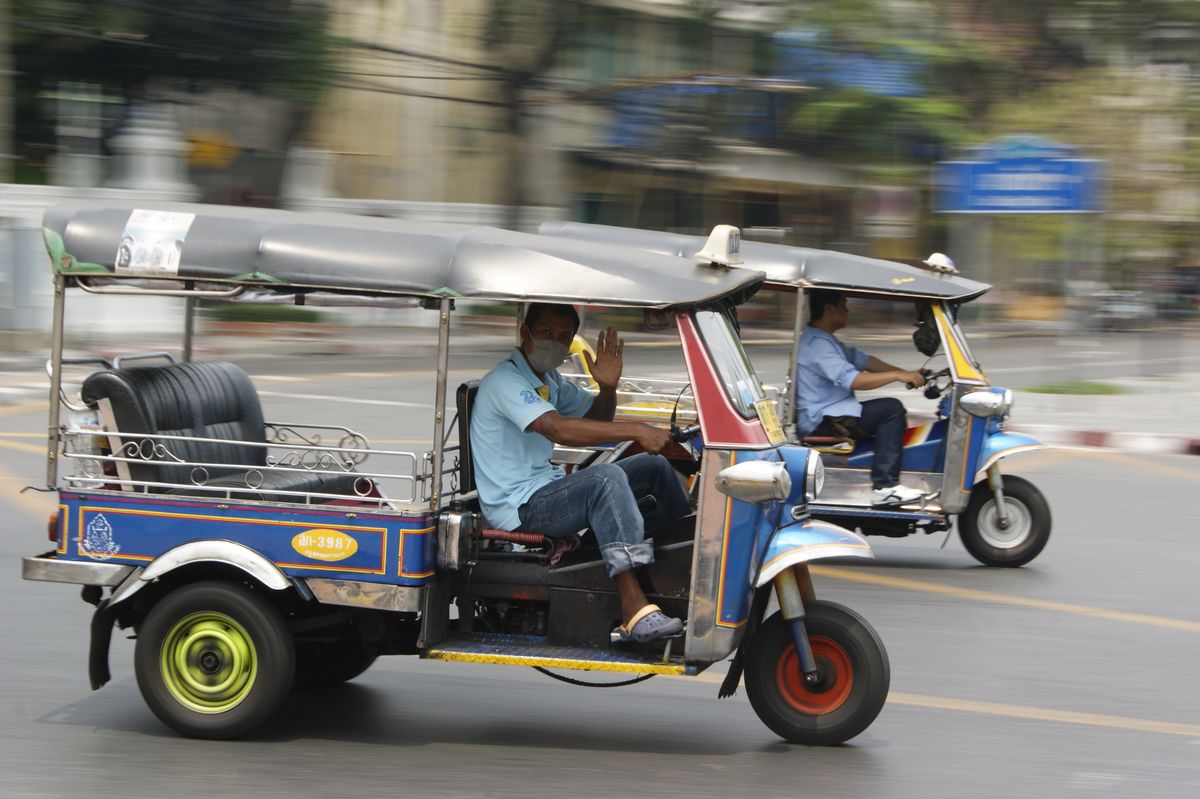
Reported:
(859, 124)
(280, 49)
(1076, 387)
(238, 312)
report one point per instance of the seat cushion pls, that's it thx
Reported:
(198, 400)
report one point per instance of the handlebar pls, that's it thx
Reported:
(680, 435)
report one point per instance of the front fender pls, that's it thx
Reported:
(809, 540)
(1001, 445)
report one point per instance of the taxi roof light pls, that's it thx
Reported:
(723, 246)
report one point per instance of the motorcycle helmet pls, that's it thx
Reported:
(925, 337)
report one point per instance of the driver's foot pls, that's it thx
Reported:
(895, 495)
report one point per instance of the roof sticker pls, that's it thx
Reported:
(152, 242)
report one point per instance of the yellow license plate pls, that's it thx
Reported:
(770, 422)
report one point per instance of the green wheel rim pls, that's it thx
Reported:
(208, 662)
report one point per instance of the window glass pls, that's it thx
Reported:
(734, 368)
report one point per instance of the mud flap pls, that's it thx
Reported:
(758, 608)
(102, 627)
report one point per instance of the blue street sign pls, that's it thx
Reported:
(1020, 175)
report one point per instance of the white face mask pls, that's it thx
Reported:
(545, 355)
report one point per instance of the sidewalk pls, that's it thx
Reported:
(1153, 415)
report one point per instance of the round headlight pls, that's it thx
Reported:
(814, 476)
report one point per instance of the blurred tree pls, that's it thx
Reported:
(134, 48)
(966, 56)
(525, 38)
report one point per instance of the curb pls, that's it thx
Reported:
(1146, 443)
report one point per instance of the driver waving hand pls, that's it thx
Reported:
(523, 409)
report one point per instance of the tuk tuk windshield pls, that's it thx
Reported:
(741, 383)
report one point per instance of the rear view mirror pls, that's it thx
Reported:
(658, 319)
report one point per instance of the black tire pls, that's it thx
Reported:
(214, 660)
(321, 665)
(855, 664)
(1027, 534)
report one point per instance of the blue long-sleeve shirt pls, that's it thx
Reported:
(825, 370)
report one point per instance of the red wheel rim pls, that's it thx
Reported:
(837, 682)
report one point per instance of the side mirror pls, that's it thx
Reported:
(658, 319)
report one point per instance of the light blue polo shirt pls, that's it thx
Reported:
(511, 462)
(825, 369)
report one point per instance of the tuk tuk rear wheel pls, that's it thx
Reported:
(854, 681)
(213, 660)
(1025, 536)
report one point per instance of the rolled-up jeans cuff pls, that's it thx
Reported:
(619, 557)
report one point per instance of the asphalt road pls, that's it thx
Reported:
(1073, 676)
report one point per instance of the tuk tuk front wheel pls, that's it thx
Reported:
(213, 660)
(855, 675)
(1015, 543)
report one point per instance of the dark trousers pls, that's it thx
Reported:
(883, 419)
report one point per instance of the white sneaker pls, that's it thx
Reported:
(895, 495)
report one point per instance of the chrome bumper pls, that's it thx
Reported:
(48, 568)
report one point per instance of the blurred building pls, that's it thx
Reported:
(634, 112)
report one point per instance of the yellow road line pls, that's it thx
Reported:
(23, 447)
(1026, 712)
(22, 407)
(1152, 466)
(36, 504)
(1041, 459)
(1045, 714)
(22, 435)
(852, 575)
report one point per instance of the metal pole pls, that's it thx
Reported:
(789, 390)
(439, 402)
(56, 351)
(189, 327)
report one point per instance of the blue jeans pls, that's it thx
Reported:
(885, 420)
(604, 498)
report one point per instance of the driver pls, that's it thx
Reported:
(523, 409)
(828, 373)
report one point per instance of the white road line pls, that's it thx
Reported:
(353, 400)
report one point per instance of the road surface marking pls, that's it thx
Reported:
(353, 400)
(23, 407)
(36, 504)
(1027, 712)
(1045, 714)
(21, 446)
(1141, 463)
(852, 575)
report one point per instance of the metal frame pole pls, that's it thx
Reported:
(189, 327)
(789, 390)
(439, 410)
(56, 352)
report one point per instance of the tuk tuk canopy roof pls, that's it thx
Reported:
(288, 252)
(795, 267)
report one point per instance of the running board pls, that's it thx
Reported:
(908, 513)
(850, 490)
(515, 650)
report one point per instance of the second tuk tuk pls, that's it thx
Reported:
(247, 555)
(1002, 520)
